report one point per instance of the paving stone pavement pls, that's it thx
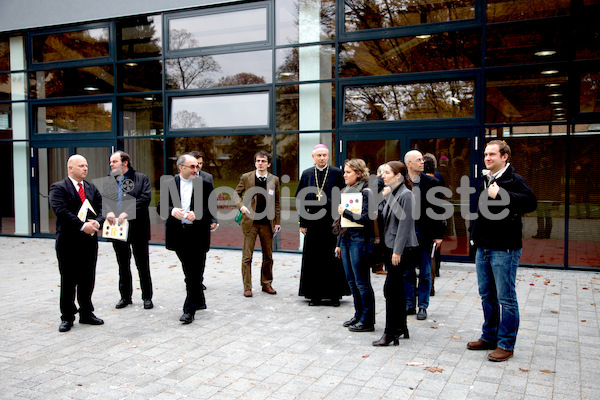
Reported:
(276, 347)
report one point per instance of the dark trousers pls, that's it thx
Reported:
(77, 266)
(192, 262)
(393, 290)
(123, 251)
(265, 234)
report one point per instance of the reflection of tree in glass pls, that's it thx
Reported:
(243, 78)
(139, 38)
(241, 152)
(204, 145)
(415, 101)
(73, 45)
(187, 72)
(4, 58)
(442, 51)
(186, 119)
(78, 118)
(373, 14)
(287, 156)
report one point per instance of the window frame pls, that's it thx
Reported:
(210, 50)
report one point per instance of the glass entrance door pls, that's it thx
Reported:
(51, 166)
(454, 154)
(453, 161)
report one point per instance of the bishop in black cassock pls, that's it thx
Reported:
(322, 276)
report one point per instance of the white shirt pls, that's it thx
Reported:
(261, 176)
(186, 187)
(76, 184)
(487, 172)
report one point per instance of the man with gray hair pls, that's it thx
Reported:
(429, 232)
(188, 231)
(322, 275)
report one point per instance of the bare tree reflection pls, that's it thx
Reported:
(375, 14)
(413, 101)
(187, 119)
(243, 78)
(188, 72)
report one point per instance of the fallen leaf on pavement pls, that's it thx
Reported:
(524, 370)
(546, 371)
(456, 337)
(414, 364)
(434, 369)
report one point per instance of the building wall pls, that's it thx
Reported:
(31, 14)
(369, 79)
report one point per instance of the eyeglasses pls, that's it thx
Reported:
(190, 166)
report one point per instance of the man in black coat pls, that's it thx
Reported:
(430, 232)
(127, 196)
(189, 222)
(497, 234)
(76, 241)
(322, 276)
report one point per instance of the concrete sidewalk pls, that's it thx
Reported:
(276, 347)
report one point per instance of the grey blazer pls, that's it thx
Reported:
(397, 217)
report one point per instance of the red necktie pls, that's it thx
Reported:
(81, 192)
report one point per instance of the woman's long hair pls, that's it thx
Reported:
(398, 167)
(360, 167)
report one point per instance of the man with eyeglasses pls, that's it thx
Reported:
(260, 217)
(188, 232)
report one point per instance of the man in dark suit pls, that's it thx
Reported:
(209, 179)
(76, 241)
(429, 232)
(188, 229)
(127, 196)
(260, 217)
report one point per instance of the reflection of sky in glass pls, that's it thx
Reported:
(222, 111)
(98, 34)
(224, 28)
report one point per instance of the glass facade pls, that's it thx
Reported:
(370, 79)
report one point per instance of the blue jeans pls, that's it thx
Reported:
(356, 250)
(422, 260)
(496, 275)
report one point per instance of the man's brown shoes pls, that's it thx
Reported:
(497, 355)
(500, 355)
(248, 293)
(480, 345)
(268, 289)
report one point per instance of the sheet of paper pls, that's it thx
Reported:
(82, 214)
(351, 202)
(116, 231)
